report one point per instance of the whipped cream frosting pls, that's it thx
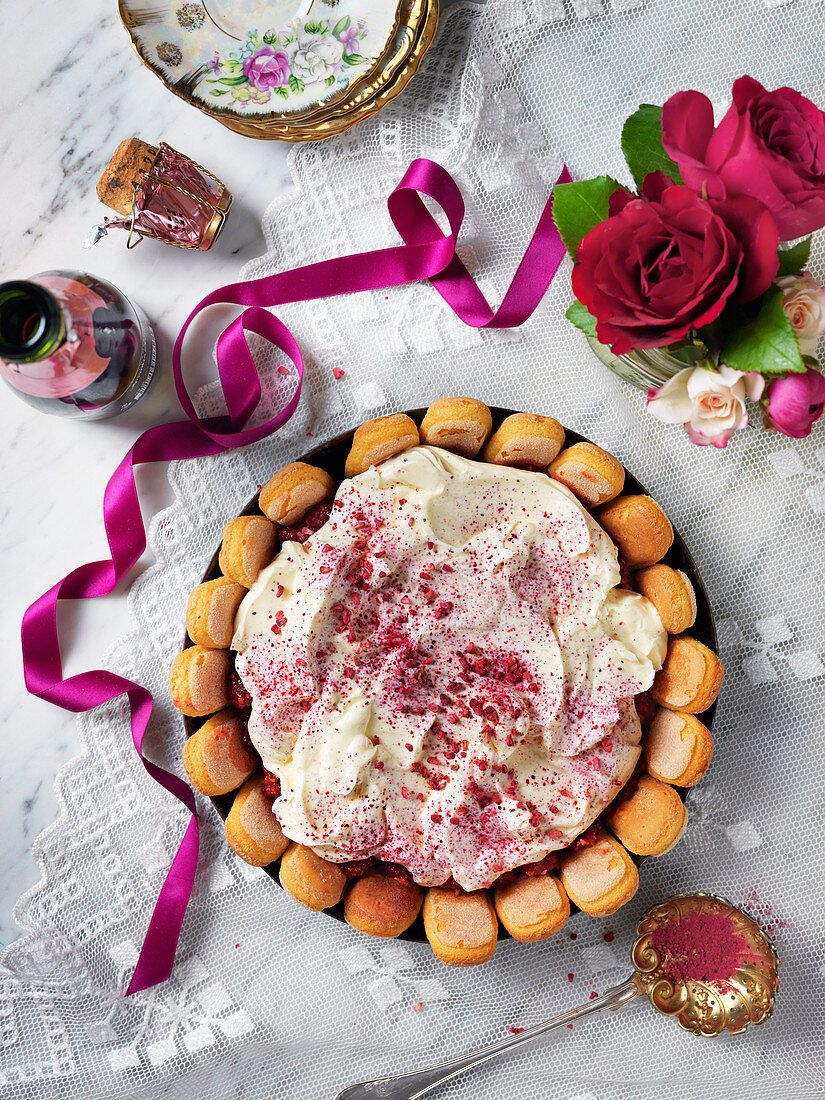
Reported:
(443, 675)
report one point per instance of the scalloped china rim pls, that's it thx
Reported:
(253, 60)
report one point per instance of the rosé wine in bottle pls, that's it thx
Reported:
(73, 345)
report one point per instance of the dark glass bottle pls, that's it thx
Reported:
(73, 345)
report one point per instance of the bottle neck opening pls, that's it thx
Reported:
(32, 325)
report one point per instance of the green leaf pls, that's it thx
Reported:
(794, 258)
(330, 80)
(219, 91)
(295, 84)
(581, 205)
(766, 342)
(355, 59)
(314, 28)
(341, 26)
(692, 351)
(580, 316)
(642, 145)
(282, 92)
(229, 80)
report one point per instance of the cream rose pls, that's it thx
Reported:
(316, 57)
(710, 404)
(803, 300)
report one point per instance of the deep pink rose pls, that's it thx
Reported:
(267, 68)
(795, 402)
(669, 261)
(770, 145)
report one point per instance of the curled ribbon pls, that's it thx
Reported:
(426, 254)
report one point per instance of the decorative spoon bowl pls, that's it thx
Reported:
(698, 958)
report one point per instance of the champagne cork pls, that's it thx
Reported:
(116, 186)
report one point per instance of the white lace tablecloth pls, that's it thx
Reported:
(267, 999)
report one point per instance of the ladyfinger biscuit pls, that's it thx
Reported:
(525, 439)
(677, 748)
(462, 928)
(210, 612)
(652, 820)
(378, 440)
(459, 424)
(671, 593)
(311, 880)
(251, 828)
(600, 878)
(215, 758)
(591, 474)
(639, 527)
(199, 680)
(289, 494)
(532, 908)
(248, 545)
(380, 905)
(690, 678)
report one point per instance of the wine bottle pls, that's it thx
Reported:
(73, 345)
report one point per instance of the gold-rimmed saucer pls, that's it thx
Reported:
(414, 37)
(311, 55)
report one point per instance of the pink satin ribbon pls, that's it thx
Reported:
(426, 254)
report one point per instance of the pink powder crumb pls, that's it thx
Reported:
(418, 1006)
(337, 373)
(283, 370)
(516, 1030)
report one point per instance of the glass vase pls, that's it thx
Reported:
(646, 368)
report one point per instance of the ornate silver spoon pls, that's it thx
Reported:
(745, 997)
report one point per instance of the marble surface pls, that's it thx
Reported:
(65, 107)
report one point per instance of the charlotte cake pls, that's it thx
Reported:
(438, 671)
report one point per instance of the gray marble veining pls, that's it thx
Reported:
(73, 89)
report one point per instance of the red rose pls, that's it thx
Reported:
(770, 145)
(669, 261)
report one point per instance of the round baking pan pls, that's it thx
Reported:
(331, 457)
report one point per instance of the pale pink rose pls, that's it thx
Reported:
(709, 404)
(267, 68)
(803, 300)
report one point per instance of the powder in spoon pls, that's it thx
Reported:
(702, 947)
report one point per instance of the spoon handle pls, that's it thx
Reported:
(409, 1086)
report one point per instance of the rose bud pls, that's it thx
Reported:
(794, 402)
(769, 145)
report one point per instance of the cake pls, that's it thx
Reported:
(442, 667)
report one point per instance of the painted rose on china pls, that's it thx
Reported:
(267, 68)
(316, 57)
(709, 404)
(803, 300)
